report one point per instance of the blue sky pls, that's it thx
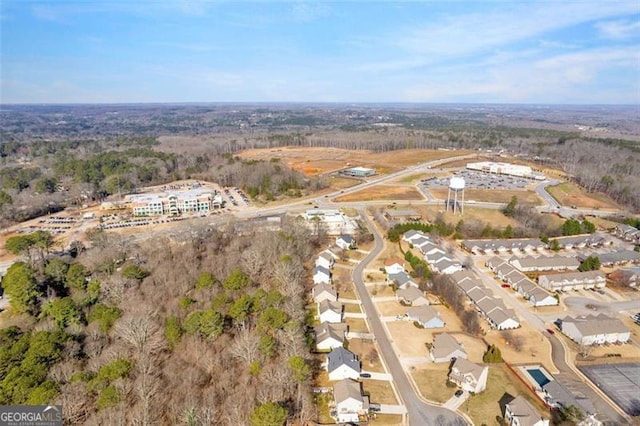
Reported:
(526, 51)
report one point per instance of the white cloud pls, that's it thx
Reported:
(619, 29)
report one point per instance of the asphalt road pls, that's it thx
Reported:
(567, 376)
(419, 413)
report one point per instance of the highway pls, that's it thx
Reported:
(419, 412)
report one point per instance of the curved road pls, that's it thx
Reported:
(419, 412)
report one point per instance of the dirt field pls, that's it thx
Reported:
(382, 192)
(534, 348)
(494, 217)
(380, 391)
(409, 340)
(313, 161)
(569, 194)
(431, 380)
(389, 309)
(492, 195)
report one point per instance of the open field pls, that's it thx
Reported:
(569, 194)
(502, 386)
(409, 340)
(356, 325)
(381, 290)
(522, 345)
(313, 161)
(382, 192)
(431, 380)
(389, 309)
(492, 216)
(491, 195)
(380, 391)
(385, 420)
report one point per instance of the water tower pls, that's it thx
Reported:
(456, 185)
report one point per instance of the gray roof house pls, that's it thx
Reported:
(469, 376)
(323, 291)
(573, 280)
(411, 296)
(343, 364)
(544, 263)
(321, 275)
(595, 329)
(426, 316)
(520, 412)
(350, 404)
(329, 336)
(402, 280)
(445, 348)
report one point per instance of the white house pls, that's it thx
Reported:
(342, 364)
(411, 296)
(394, 265)
(350, 404)
(595, 330)
(469, 376)
(447, 266)
(323, 291)
(412, 234)
(329, 311)
(329, 336)
(539, 297)
(445, 348)
(426, 316)
(321, 275)
(346, 242)
(326, 260)
(520, 412)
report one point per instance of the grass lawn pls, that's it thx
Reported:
(380, 391)
(356, 325)
(485, 407)
(570, 194)
(383, 192)
(363, 349)
(381, 290)
(386, 420)
(322, 401)
(432, 382)
(352, 308)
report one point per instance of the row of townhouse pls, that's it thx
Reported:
(519, 282)
(595, 329)
(433, 254)
(626, 276)
(492, 308)
(627, 232)
(493, 246)
(573, 281)
(544, 263)
(615, 258)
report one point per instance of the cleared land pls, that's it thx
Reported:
(382, 192)
(431, 380)
(491, 195)
(313, 161)
(385, 420)
(522, 345)
(570, 194)
(380, 391)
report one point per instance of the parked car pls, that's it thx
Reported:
(374, 407)
(550, 331)
(365, 375)
(459, 393)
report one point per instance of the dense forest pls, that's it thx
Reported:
(206, 330)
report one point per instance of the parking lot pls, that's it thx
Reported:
(621, 382)
(480, 180)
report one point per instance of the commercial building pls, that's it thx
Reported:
(505, 169)
(359, 172)
(174, 203)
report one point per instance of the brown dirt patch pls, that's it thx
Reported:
(569, 194)
(380, 391)
(382, 192)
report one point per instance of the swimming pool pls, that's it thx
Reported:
(537, 375)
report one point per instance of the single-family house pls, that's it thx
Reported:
(394, 265)
(350, 404)
(426, 316)
(329, 336)
(412, 234)
(595, 330)
(445, 348)
(346, 242)
(469, 376)
(502, 319)
(343, 364)
(446, 266)
(573, 280)
(326, 260)
(329, 311)
(539, 297)
(321, 275)
(323, 291)
(411, 296)
(520, 412)
(401, 280)
(557, 395)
